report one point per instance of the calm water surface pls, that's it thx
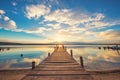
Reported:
(94, 58)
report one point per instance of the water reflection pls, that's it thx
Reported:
(94, 57)
(13, 59)
(97, 59)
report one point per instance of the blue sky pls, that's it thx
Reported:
(43, 21)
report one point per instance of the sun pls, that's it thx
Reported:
(59, 39)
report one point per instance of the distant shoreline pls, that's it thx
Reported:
(66, 43)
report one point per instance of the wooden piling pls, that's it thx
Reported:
(81, 62)
(33, 64)
(71, 52)
(48, 54)
(65, 48)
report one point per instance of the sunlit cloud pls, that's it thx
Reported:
(76, 23)
(36, 11)
(6, 22)
(2, 12)
(33, 31)
(54, 26)
(6, 18)
(110, 35)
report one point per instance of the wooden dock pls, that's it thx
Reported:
(60, 65)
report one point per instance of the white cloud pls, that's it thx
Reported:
(14, 3)
(80, 19)
(39, 30)
(110, 34)
(99, 16)
(6, 22)
(2, 11)
(60, 16)
(6, 18)
(70, 17)
(34, 31)
(55, 25)
(69, 24)
(10, 25)
(36, 11)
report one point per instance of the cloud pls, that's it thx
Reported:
(68, 16)
(110, 35)
(2, 12)
(38, 30)
(36, 11)
(10, 25)
(55, 25)
(82, 24)
(64, 32)
(6, 23)
(6, 18)
(14, 3)
(34, 31)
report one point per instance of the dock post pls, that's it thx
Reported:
(65, 48)
(55, 48)
(62, 46)
(48, 54)
(33, 64)
(81, 61)
(71, 52)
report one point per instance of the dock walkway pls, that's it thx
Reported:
(60, 65)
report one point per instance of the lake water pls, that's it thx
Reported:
(94, 58)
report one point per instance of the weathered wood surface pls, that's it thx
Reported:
(59, 66)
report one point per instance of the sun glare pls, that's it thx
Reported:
(59, 39)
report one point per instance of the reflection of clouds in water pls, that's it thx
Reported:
(8, 63)
(19, 49)
(101, 65)
(110, 56)
(42, 57)
(77, 52)
(94, 59)
(12, 58)
(25, 62)
(97, 59)
(29, 60)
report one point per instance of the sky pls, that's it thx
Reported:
(46, 21)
